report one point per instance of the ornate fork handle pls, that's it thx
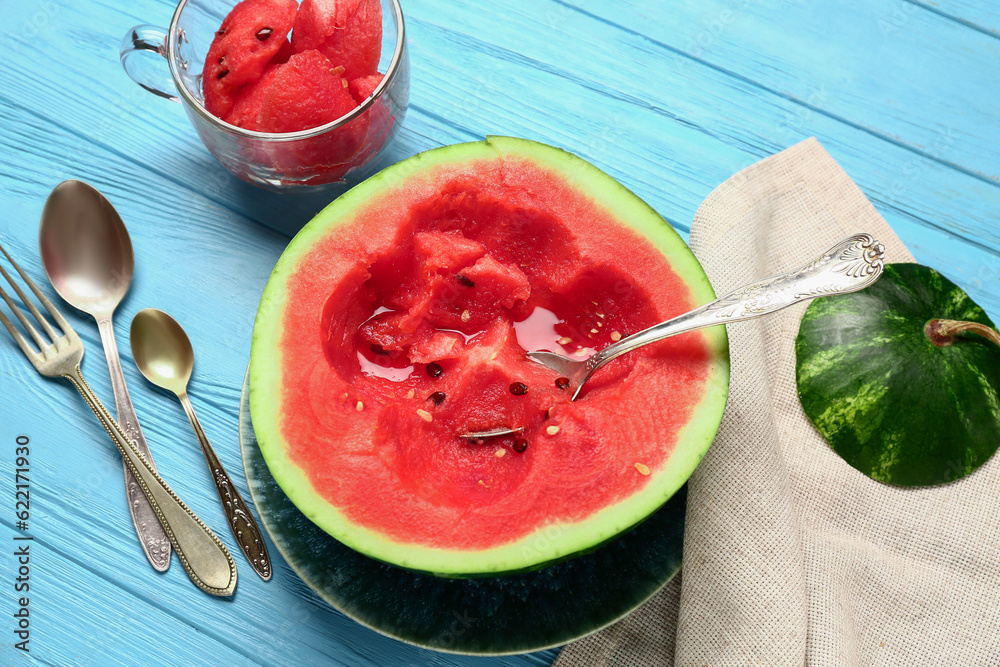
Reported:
(203, 555)
(851, 265)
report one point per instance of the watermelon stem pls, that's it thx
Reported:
(943, 332)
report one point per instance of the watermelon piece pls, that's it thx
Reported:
(362, 87)
(348, 32)
(361, 385)
(246, 108)
(244, 45)
(303, 93)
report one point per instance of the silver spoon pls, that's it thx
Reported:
(163, 353)
(851, 265)
(88, 258)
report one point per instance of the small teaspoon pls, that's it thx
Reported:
(163, 353)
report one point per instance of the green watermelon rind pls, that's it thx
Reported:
(547, 544)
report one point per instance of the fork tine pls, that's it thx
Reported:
(21, 342)
(56, 315)
(42, 344)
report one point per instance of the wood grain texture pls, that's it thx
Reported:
(671, 98)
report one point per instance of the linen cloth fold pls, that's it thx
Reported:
(792, 557)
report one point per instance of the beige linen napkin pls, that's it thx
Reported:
(791, 556)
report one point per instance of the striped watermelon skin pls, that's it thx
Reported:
(893, 404)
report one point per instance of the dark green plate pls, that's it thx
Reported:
(495, 616)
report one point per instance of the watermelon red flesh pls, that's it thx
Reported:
(348, 32)
(243, 47)
(362, 87)
(413, 481)
(304, 93)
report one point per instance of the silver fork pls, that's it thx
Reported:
(203, 555)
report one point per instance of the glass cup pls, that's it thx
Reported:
(337, 155)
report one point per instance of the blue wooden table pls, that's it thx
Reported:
(669, 97)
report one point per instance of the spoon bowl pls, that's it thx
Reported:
(85, 248)
(162, 350)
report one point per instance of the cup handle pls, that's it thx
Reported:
(141, 69)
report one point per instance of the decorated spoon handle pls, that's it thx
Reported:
(203, 555)
(152, 537)
(851, 265)
(240, 520)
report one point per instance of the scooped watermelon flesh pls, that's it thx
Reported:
(243, 47)
(348, 32)
(399, 319)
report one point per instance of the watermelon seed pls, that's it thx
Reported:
(222, 59)
(465, 281)
(338, 70)
(426, 416)
(500, 453)
(642, 468)
(264, 33)
(466, 315)
(344, 81)
(593, 331)
(600, 315)
(360, 406)
(520, 444)
(434, 369)
(222, 74)
(615, 336)
(409, 394)
(550, 412)
(222, 31)
(476, 441)
(565, 340)
(518, 388)
(562, 383)
(438, 397)
(551, 430)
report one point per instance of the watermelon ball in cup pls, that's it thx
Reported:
(257, 101)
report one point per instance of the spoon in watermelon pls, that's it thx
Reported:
(851, 265)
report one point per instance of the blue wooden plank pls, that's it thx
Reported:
(905, 80)
(981, 15)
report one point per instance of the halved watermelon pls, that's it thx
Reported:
(398, 320)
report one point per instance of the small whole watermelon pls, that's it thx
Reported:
(902, 378)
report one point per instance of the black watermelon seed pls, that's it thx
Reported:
(222, 31)
(518, 388)
(222, 74)
(438, 397)
(562, 383)
(264, 33)
(465, 281)
(476, 441)
(520, 444)
(434, 369)
(222, 59)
